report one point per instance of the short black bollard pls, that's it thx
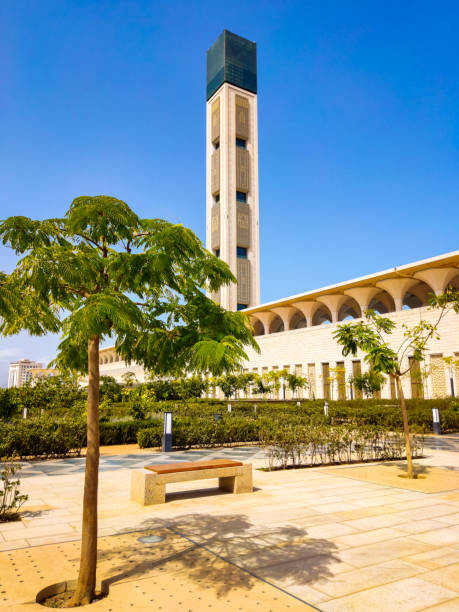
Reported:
(167, 432)
(436, 421)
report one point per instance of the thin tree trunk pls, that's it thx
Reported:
(406, 429)
(86, 584)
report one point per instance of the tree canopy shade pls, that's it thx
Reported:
(371, 336)
(102, 272)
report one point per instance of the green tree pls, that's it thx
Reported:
(371, 336)
(101, 272)
(369, 382)
(295, 382)
(228, 383)
(129, 379)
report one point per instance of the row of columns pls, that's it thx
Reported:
(437, 279)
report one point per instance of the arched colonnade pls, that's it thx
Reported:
(383, 296)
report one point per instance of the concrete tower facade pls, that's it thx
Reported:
(232, 221)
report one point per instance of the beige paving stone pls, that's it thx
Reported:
(339, 507)
(366, 578)
(447, 576)
(53, 539)
(306, 570)
(420, 526)
(382, 551)
(376, 522)
(435, 511)
(330, 530)
(37, 532)
(12, 544)
(439, 537)
(451, 519)
(369, 537)
(436, 479)
(408, 595)
(448, 606)
(437, 557)
(349, 515)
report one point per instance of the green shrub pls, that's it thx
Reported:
(10, 498)
(41, 436)
(121, 432)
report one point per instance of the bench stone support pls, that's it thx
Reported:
(238, 484)
(145, 489)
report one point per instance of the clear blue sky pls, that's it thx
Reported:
(358, 125)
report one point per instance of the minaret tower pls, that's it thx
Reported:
(232, 231)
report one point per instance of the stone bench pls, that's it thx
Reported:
(148, 486)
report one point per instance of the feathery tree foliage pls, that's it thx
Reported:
(100, 273)
(371, 336)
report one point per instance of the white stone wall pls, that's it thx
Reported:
(303, 351)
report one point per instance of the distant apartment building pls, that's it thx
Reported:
(21, 372)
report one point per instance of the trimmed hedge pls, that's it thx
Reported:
(196, 431)
(43, 436)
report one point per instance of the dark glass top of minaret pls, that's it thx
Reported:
(232, 59)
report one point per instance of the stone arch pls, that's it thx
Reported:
(417, 295)
(382, 303)
(277, 325)
(322, 315)
(298, 321)
(258, 328)
(349, 310)
(454, 283)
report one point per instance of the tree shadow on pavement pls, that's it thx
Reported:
(222, 552)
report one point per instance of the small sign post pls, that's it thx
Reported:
(167, 432)
(436, 421)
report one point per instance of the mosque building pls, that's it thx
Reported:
(296, 333)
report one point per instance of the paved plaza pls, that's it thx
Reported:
(322, 537)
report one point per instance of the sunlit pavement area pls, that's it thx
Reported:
(336, 541)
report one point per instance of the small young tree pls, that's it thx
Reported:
(371, 337)
(129, 379)
(295, 383)
(228, 383)
(273, 378)
(102, 272)
(260, 386)
(369, 382)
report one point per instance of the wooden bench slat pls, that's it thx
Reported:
(190, 466)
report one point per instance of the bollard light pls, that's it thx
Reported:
(24, 413)
(229, 407)
(167, 432)
(436, 421)
(298, 404)
(326, 409)
(255, 409)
